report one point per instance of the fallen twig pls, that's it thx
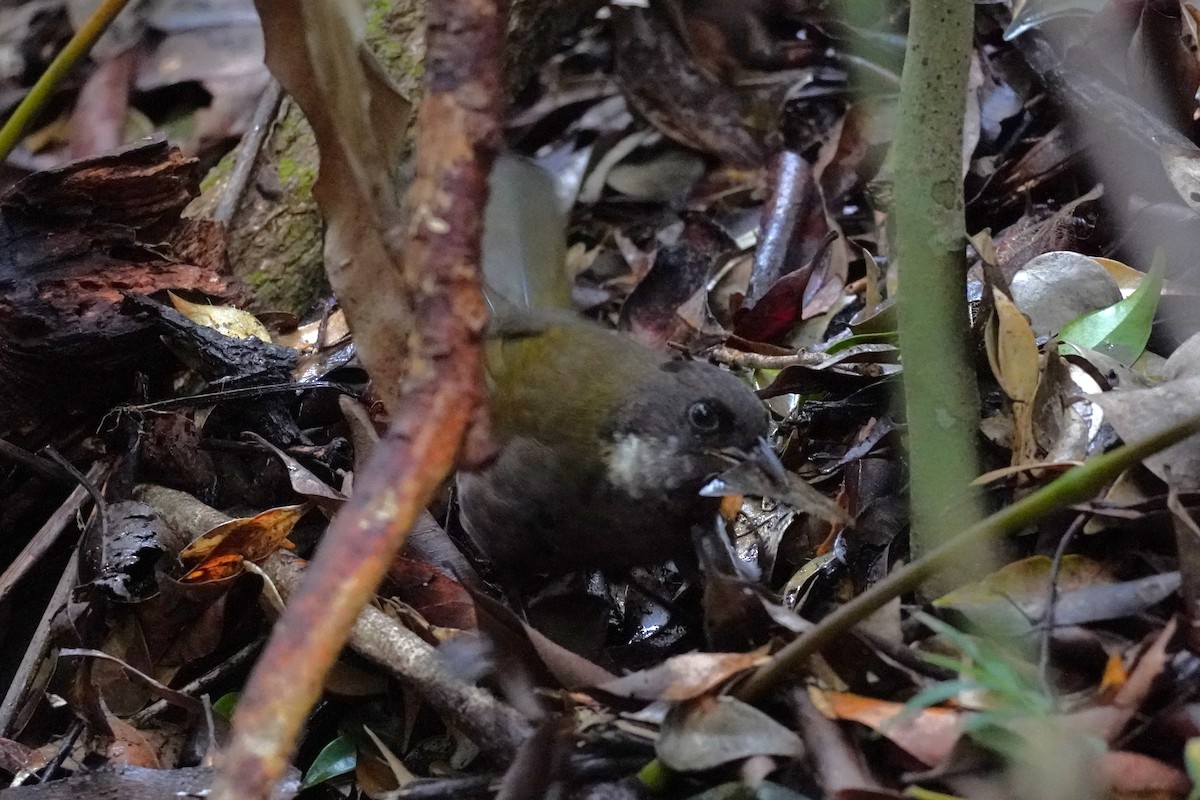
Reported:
(375, 636)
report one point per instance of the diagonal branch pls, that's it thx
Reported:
(427, 307)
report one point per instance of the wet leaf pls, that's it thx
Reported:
(336, 758)
(706, 733)
(303, 481)
(1032, 14)
(1122, 329)
(227, 320)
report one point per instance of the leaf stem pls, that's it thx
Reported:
(78, 47)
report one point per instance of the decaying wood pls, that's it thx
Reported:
(73, 242)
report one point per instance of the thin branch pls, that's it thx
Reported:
(79, 46)
(1075, 486)
(436, 391)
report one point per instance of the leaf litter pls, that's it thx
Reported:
(734, 193)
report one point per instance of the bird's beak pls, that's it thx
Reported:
(761, 474)
(755, 471)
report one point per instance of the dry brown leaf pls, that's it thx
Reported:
(1133, 776)
(360, 138)
(706, 733)
(684, 677)
(248, 538)
(927, 735)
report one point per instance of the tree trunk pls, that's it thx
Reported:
(274, 233)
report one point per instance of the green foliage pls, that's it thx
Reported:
(1191, 760)
(225, 704)
(337, 758)
(1122, 329)
(1006, 681)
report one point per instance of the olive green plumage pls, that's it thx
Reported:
(604, 442)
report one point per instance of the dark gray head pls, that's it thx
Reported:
(667, 431)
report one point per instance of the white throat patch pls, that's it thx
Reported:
(637, 464)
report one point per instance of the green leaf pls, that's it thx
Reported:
(928, 794)
(1122, 329)
(962, 641)
(225, 703)
(883, 337)
(1191, 760)
(336, 758)
(655, 776)
(931, 696)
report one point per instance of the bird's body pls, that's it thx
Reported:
(604, 444)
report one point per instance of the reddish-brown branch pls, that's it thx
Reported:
(442, 388)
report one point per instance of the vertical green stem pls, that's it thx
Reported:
(79, 46)
(941, 395)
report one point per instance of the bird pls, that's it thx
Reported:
(604, 443)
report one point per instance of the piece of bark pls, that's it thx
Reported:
(73, 242)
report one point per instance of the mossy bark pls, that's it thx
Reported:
(275, 241)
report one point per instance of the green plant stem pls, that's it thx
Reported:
(941, 396)
(79, 46)
(1075, 486)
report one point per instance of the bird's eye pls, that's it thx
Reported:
(703, 416)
